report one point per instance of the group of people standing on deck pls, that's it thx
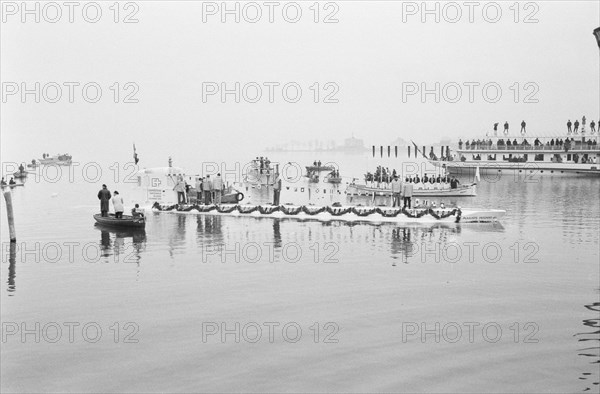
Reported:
(264, 164)
(404, 190)
(207, 190)
(573, 128)
(506, 127)
(424, 182)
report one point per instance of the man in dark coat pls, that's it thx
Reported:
(104, 197)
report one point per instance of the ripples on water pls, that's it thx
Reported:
(591, 341)
(368, 278)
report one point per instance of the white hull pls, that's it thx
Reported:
(47, 162)
(447, 215)
(468, 168)
(461, 191)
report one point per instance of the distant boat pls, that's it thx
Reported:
(61, 160)
(575, 154)
(125, 222)
(13, 185)
(311, 169)
(332, 179)
(20, 174)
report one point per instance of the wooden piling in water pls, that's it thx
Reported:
(10, 216)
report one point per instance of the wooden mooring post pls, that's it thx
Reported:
(10, 215)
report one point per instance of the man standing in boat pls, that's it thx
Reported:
(454, 182)
(180, 189)
(207, 187)
(104, 197)
(407, 192)
(218, 188)
(396, 191)
(276, 190)
(198, 187)
(117, 201)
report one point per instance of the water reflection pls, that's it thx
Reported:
(112, 243)
(12, 271)
(590, 340)
(277, 234)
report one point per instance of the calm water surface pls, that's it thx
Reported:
(366, 298)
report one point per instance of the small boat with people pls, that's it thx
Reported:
(126, 221)
(60, 159)
(11, 184)
(318, 167)
(313, 173)
(22, 173)
(333, 179)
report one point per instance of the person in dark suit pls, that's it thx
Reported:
(104, 197)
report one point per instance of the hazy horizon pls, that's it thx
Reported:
(369, 56)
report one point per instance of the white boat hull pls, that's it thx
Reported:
(461, 191)
(468, 168)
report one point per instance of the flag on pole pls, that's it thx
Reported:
(135, 155)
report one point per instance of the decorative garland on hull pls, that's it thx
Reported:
(336, 212)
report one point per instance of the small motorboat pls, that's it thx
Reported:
(61, 160)
(11, 185)
(318, 168)
(20, 174)
(126, 221)
(333, 179)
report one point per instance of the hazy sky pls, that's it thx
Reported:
(374, 54)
